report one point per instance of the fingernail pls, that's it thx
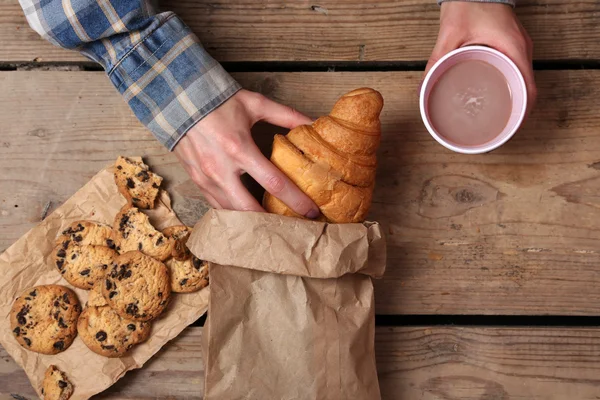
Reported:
(312, 214)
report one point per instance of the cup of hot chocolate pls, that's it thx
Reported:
(473, 100)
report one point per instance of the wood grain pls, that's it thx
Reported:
(348, 30)
(512, 232)
(429, 363)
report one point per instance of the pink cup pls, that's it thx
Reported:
(515, 81)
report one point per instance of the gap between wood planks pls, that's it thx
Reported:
(302, 66)
(476, 320)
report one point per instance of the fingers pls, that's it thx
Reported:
(279, 185)
(241, 199)
(278, 114)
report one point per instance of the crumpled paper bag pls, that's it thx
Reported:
(28, 263)
(291, 308)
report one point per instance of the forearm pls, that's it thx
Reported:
(154, 60)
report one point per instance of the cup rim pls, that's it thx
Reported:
(483, 148)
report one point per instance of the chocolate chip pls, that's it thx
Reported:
(60, 264)
(110, 244)
(61, 253)
(42, 390)
(56, 315)
(196, 262)
(21, 315)
(129, 346)
(74, 256)
(61, 323)
(140, 246)
(119, 167)
(127, 274)
(183, 282)
(109, 347)
(160, 294)
(123, 222)
(159, 240)
(78, 238)
(27, 341)
(131, 327)
(132, 309)
(33, 294)
(66, 244)
(144, 176)
(60, 345)
(101, 336)
(130, 183)
(108, 284)
(135, 199)
(62, 384)
(17, 330)
(56, 303)
(85, 272)
(112, 294)
(77, 308)
(104, 266)
(79, 228)
(66, 298)
(154, 185)
(28, 298)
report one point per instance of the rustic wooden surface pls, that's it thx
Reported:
(330, 30)
(429, 363)
(512, 232)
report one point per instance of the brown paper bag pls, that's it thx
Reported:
(28, 262)
(291, 310)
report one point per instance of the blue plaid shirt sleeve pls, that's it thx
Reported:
(153, 59)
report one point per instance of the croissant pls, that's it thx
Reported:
(333, 160)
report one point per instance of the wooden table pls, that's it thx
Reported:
(493, 273)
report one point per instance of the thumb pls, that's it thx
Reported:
(444, 45)
(281, 115)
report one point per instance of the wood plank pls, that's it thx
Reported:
(512, 232)
(349, 30)
(413, 363)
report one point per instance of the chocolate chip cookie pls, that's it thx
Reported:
(95, 298)
(86, 233)
(83, 265)
(136, 182)
(180, 235)
(187, 272)
(56, 386)
(133, 231)
(189, 275)
(44, 318)
(137, 287)
(106, 333)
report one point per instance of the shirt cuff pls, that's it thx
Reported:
(512, 3)
(170, 81)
